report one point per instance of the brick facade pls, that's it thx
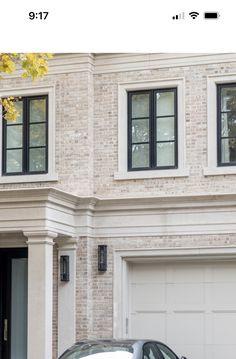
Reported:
(87, 158)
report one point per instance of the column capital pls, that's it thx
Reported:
(67, 243)
(40, 237)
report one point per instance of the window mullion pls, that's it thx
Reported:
(176, 127)
(129, 137)
(26, 136)
(152, 129)
(4, 153)
(218, 125)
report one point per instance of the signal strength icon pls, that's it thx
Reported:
(179, 16)
(194, 14)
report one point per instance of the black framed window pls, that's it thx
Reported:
(152, 129)
(226, 124)
(25, 141)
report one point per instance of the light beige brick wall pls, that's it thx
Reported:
(74, 133)
(87, 132)
(106, 134)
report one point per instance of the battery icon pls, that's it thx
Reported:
(211, 15)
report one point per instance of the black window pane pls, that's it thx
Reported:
(165, 104)
(140, 130)
(140, 156)
(140, 105)
(37, 135)
(228, 124)
(14, 161)
(152, 129)
(165, 128)
(165, 154)
(37, 159)
(14, 136)
(38, 110)
(19, 108)
(228, 99)
(228, 150)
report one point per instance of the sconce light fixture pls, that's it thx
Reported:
(64, 268)
(102, 258)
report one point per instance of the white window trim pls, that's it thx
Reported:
(212, 169)
(123, 88)
(33, 91)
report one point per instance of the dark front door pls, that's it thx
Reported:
(13, 303)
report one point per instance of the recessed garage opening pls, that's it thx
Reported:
(189, 305)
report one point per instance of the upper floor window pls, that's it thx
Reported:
(152, 129)
(226, 124)
(25, 141)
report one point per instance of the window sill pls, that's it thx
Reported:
(29, 178)
(218, 171)
(183, 172)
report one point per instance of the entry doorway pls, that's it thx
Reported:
(13, 303)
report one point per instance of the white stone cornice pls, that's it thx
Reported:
(64, 63)
(43, 213)
(107, 63)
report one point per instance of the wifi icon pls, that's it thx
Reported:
(193, 14)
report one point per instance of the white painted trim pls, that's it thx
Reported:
(64, 64)
(44, 209)
(107, 63)
(31, 91)
(40, 295)
(212, 82)
(123, 88)
(123, 257)
(152, 174)
(123, 62)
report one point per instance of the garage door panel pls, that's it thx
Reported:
(186, 294)
(147, 295)
(186, 328)
(224, 272)
(154, 327)
(188, 273)
(148, 271)
(223, 294)
(220, 352)
(224, 328)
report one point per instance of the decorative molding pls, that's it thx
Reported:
(64, 64)
(47, 212)
(40, 234)
(67, 244)
(107, 63)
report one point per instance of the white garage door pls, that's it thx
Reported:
(189, 306)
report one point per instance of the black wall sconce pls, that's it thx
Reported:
(64, 268)
(102, 258)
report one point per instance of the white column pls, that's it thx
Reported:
(67, 297)
(40, 294)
